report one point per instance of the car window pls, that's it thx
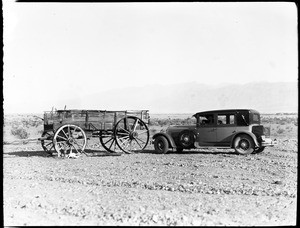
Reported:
(256, 118)
(225, 119)
(206, 119)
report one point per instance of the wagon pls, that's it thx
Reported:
(67, 131)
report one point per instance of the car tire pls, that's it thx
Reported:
(179, 149)
(186, 139)
(259, 150)
(161, 145)
(243, 144)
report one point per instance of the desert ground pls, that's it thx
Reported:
(198, 187)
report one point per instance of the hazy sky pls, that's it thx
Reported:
(54, 50)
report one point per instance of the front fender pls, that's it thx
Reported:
(168, 137)
(247, 133)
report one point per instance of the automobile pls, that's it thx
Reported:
(239, 129)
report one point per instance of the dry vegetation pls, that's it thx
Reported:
(198, 187)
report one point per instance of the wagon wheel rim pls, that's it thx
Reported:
(47, 143)
(69, 140)
(108, 142)
(132, 134)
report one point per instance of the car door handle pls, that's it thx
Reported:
(233, 131)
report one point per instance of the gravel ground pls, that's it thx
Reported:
(198, 187)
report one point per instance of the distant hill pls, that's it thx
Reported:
(191, 97)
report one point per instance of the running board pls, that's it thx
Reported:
(213, 147)
(196, 145)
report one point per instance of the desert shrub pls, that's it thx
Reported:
(282, 120)
(31, 122)
(280, 131)
(169, 121)
(20, 132)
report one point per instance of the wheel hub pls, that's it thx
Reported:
(244, 145)
(133, 135)
(70, 141)
(186, 139)
(160, 145)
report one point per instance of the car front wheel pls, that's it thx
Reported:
(161, 145)
(243, 144)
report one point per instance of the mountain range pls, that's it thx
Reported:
(264, 97)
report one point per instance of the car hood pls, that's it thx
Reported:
(181, 127)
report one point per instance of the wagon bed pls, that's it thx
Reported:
(67, 131)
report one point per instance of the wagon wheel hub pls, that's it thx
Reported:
(70, 141)
(133, 135)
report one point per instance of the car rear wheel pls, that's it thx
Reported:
(161, 145)
(243, 144)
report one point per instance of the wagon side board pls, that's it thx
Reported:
(89, 120)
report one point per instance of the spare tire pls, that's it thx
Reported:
(186, 139)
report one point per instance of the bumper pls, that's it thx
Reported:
(269, 142)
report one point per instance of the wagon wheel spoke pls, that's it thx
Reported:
(135, 124)
(125, 143)
(79, 146)
(140, 140)
(75, 148)
(47, 143)
(124, 137)
(69, 132)
(62, 130)
(111, 144)
(124, 130)
(65, 139)
(108, 142)
(49, 146)
(123, 133)
(143, 132)
(138, 143)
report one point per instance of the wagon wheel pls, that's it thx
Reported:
(132, 134)
(69, 141)
(108, 141)
(47, 143)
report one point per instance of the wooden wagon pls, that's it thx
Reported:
(67, 131)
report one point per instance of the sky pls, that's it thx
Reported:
(54, 50)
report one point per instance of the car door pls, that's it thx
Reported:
(206, 131)
(226, 128)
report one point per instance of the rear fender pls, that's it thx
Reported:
(168, 137)
(245, 133)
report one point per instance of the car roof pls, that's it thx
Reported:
(224, 111)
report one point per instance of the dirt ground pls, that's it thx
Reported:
(199, 187)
